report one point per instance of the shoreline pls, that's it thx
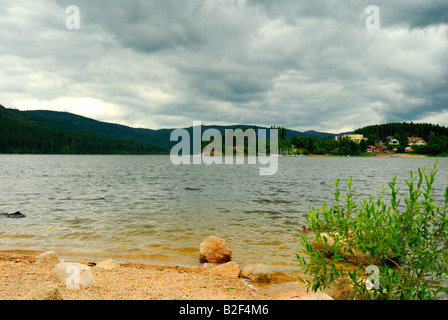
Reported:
(365, 155)
(139, 281)
(372, 155)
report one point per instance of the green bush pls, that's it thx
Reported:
(407, 241)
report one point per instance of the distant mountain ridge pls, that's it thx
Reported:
(63, 132)
(160, 137)
(21, 132)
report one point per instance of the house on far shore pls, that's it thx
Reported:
(394, 142)
(376, 149)
(354, 137)
(408, 149)
(416, 141)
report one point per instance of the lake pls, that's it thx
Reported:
(144, 208)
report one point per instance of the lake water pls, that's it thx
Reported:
(145, 208)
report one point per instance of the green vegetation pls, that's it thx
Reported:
(406, 240)
(437, 146)
(290, 142)
(22, 138)
(20, 134)
(246, 143)
(399, 130)
(328, 145)
(72, 122)
(436, 136)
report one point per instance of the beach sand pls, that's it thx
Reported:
(19, 274)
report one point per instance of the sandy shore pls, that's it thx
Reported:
(19, 274)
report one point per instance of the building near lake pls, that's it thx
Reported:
(377, 149)
(416, 141)
(353, 137)
(394, 142)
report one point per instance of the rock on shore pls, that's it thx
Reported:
(215, 250)
(74, 274)
(257, 272)
(48, 258)
(44, 291)
(229, 269)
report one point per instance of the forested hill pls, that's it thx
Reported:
(52, 132)
(434, 135)
(74, 122)
(405, 129)
(21, 133)
(160, 137)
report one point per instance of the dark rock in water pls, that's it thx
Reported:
(14, 215)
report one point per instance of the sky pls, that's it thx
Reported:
(304, 65)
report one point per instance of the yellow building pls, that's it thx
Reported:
(354, 137)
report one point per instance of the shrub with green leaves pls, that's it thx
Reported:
(405, 239)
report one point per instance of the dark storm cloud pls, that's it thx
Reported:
(416, 14)
(301, 64)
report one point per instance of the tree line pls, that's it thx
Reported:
(434, 135)
(22, 137)
(406, 129)
(328, 145)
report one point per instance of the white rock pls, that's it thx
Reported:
(74, 274)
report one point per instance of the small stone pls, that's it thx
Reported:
(48, 258)
(257, 272)
(215, 250)
(108, 264)
(44, 291)
(229, 269)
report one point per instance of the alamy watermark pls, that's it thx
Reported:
(373, 280)
(73, 21)
(73, 280)
(189, 150)
(373, 20)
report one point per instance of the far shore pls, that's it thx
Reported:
(371, 155)
(401, 155)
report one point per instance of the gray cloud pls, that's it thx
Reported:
(300, 64)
